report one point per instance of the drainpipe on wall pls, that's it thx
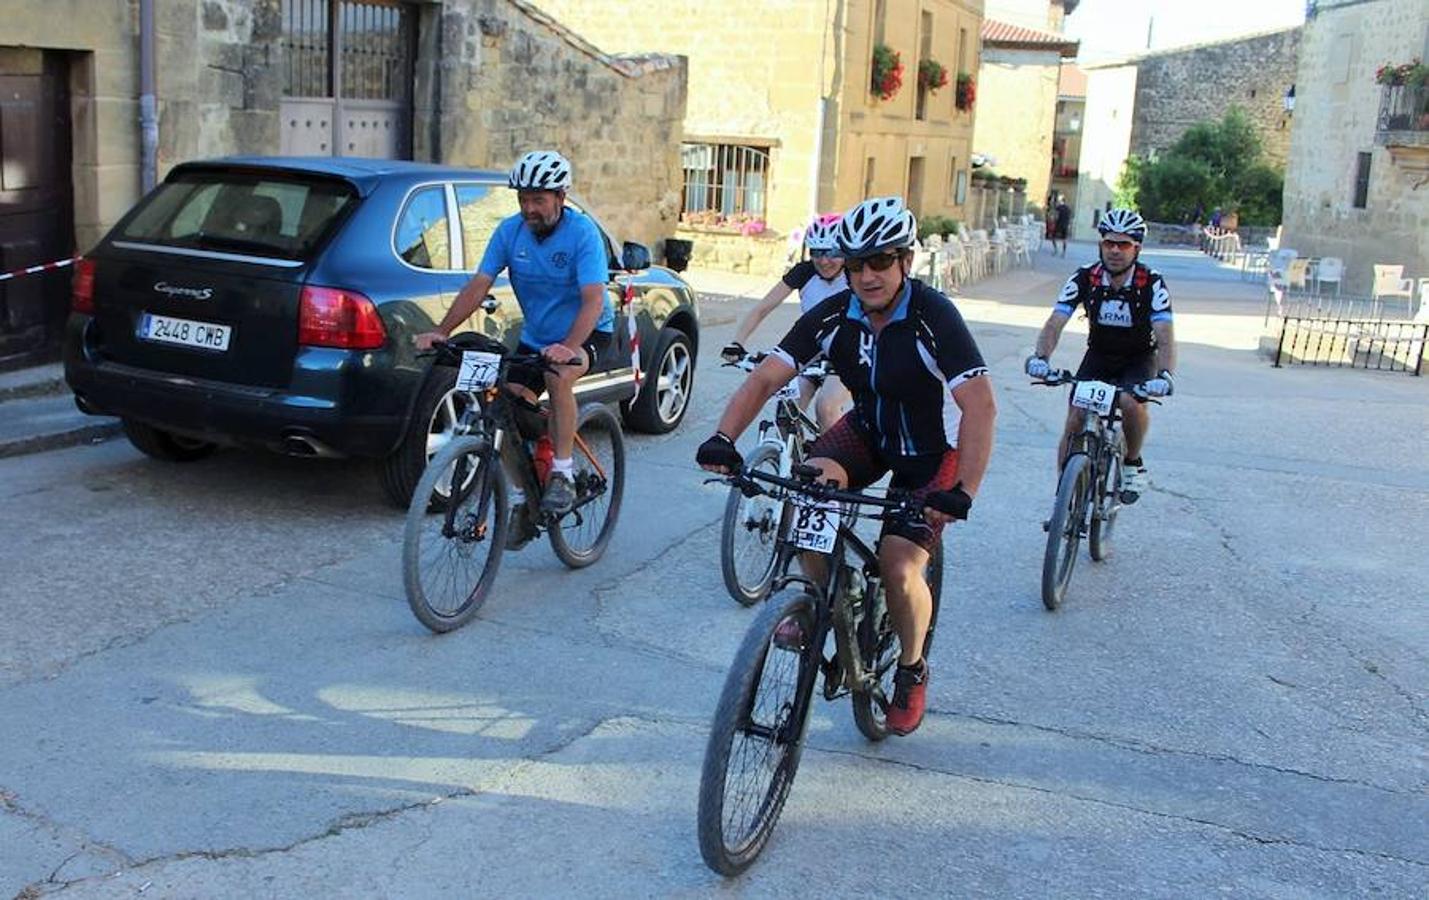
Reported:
(148, 104)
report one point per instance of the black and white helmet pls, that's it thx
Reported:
(541, 170)
(1123, 221)
(877, 225)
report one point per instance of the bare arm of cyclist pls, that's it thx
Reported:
(768, 377)
(1165, 346)
(467, 300)
(975, 431)
(763, 308)
(1051, 333)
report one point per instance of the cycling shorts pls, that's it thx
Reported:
(853, 448)
(534, 378)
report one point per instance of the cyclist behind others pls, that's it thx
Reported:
(923, 408)
(816, 279)
(1130, 339)
(557, 264)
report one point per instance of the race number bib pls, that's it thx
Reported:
(478, 370)
(789, 391)
(816, 524)
(1096, 396)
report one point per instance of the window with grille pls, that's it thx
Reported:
(725, 179)
(361, 47)
(1361, 199)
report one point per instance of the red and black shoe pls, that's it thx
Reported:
(910, 699)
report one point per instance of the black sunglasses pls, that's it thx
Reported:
(880, 262)
(824, 254)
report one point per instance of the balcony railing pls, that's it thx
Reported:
(1403, 116)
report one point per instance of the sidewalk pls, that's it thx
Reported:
(37, 412)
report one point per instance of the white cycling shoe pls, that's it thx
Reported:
(1135, 481)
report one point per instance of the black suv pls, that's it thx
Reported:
(270, 302)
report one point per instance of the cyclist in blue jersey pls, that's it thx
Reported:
(557, 263)
(923, 409)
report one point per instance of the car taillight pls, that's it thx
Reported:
(82, 299)
(333, 317)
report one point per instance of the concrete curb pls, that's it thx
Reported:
(73, 437)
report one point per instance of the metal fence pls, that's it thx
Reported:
(1393, 346)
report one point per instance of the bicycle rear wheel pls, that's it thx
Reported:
(580, 537)
(449, 561)
(1064, 530)
(878, 643)
(1108, 505)
(747, 548)
(757, 736)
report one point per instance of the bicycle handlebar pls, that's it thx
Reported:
(450, 354)
(1059, 377)
(819, 368)
(898, 503)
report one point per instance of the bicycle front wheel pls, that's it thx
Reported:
(451, 547)
(758, 734)
(1064, 530)
(748, 545)
(880, 648)
(1108, 505)
(580, 537)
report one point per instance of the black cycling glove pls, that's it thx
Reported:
(955, 502)
(719, 450)
(733, 352)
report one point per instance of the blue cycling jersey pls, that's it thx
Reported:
(547, 275)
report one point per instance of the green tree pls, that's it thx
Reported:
(1214, 164)
(1128, 184)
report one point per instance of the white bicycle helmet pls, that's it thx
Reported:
(877, 225)
(822, 233)
(1123, 221)
(541, 170)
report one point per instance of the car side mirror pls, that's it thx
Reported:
(634, 257)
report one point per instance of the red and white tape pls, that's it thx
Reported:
(43, 267)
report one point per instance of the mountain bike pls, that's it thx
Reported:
(751, 524)
(757, 735)
(1090, 485)
(480, 495)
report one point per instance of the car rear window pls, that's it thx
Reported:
(257, 215)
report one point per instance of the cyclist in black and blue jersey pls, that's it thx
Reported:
(556, 259)
(923, 409)
(1130, 338)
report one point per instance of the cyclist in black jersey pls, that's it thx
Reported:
(1130, 338)
(923, 409)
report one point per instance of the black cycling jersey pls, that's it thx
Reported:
(813, 288)
(1120, 318)
(902, 378)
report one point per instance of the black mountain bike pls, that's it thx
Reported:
(758, 731)
(480, 495)
(752, 523)
(1090, 486)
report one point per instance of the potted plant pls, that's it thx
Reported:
(966, 92)
(932, 75)
(1412, 74)
(887, 74)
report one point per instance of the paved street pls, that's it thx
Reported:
(211, 685)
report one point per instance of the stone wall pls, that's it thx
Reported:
(1017, 95)
(765, 254)
(1344, 44)
(1175, 89)
(509, 79)
(517, 80)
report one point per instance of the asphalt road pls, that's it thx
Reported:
(210, 684)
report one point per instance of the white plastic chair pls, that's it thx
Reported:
(1389, 281)
(1332, 270)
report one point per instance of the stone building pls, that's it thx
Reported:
(1017, 89)
(1067, 132)
(782, 122)
(1142, 105)
(1357, 179)
(467, 82)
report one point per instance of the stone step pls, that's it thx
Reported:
(31, 423)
